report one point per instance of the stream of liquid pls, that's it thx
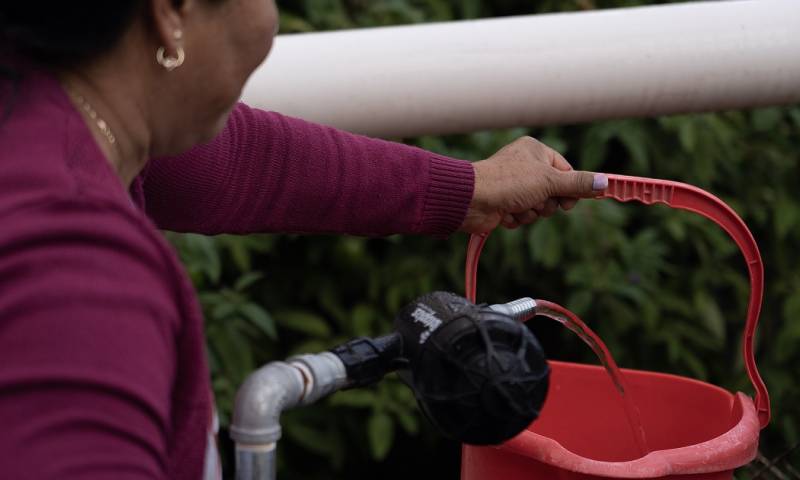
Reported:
(576, 325)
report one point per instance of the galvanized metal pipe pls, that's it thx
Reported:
(255, 462)
(537, 70)
(265, 394)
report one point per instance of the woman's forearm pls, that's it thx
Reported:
(271, 173)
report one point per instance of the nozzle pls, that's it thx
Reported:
(521, 310)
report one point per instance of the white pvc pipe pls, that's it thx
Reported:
(537, 70)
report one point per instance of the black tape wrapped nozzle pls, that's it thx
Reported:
(478, 375)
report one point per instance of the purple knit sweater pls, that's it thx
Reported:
(102, 364)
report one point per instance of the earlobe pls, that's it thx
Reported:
(167, 18)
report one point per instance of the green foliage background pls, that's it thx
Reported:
(666, 290)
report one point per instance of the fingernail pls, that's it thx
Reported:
(599, 182)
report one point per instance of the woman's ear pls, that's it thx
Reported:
(168, 19)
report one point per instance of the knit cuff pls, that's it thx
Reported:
(450, 188)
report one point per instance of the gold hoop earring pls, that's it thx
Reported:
(170, 63)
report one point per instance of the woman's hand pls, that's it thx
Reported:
(524, 181)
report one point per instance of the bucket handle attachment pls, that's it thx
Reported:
(684, 197)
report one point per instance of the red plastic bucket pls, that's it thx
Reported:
(694, 429)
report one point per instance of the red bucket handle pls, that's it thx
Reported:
(685, 197)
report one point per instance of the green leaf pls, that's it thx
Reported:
(710, 316)
(357, 398)
(687, 134)
(310, 346)
(204, 256)
(554, 141)
(247, 280)
(330, 298)
(303, 322)
(794, 113)
(696, 366)
(634, 137)
(239, 250)
(433, 144)
(308, 437)
(786, 344)
(610, 214)
(260, 318)
(580, 302)
(228, 345)
(786, 215)
(290, 23)
(593, 149)
(408, 421)
(676, 228)
(328, 14)
(470, 8)
(380, 430)
(766, 119)
(544, 243)
(223, 310)
(361, 319)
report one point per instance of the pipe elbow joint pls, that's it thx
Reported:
(278, 386)
(260, 400)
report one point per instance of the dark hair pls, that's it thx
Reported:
(58, 34)
(64, 33)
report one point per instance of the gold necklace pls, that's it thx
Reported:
(101, 124)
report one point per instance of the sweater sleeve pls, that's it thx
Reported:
(271, 173)
(87, 332)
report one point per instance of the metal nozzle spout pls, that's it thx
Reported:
(521, 310)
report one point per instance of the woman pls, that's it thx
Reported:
(103, 373)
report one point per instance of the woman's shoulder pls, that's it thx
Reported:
(45, 150)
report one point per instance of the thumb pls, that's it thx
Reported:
(576, 183)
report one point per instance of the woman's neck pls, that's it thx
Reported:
(102, 97)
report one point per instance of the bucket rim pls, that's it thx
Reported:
(736, 447)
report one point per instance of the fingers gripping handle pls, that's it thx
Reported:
(687, 197)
